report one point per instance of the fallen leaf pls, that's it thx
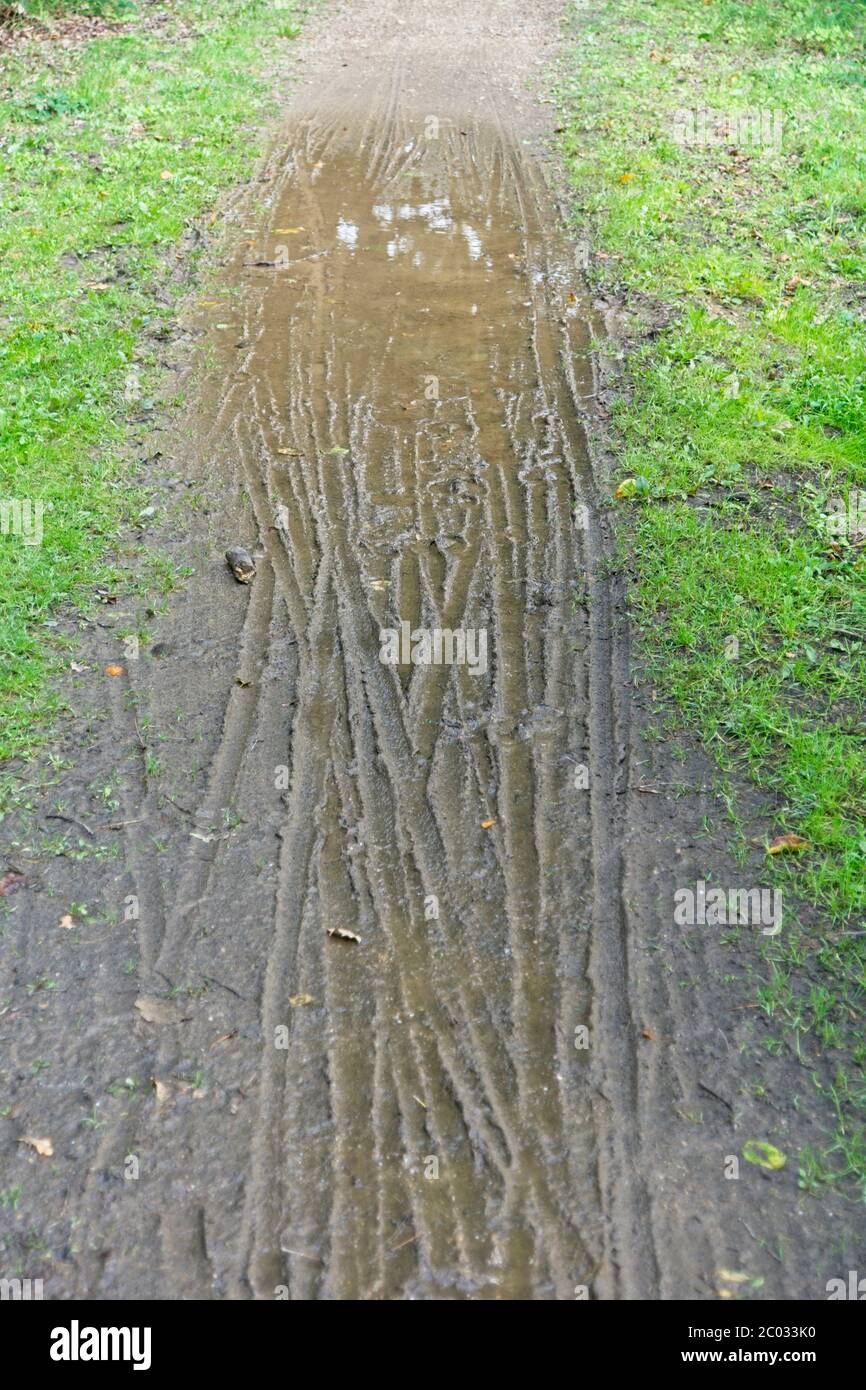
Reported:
(733, 1276)
(649, 1033)
(337, 449)
(287, 231)
(764, 1154)
(9, 882)
(66, 921)
(633, 487)
(163, 1091)
(787, 844)
(114, 670)
(154, 1010)
(298, 1001)
(344, 934)
(43, 1147)
(379, 584)
(166, 174)
(487, 824)
(626, 178)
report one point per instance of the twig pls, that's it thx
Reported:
(710, 1092)
(211, 981)
(70, 820)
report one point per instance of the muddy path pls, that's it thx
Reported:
(511, 1076)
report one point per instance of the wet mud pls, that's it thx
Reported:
(407, 1015)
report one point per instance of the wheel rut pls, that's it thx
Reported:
(413, 454)
(403, 912)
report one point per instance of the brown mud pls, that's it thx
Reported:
(242, 1102)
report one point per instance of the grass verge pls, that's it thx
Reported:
(111, 148)
(715, 155)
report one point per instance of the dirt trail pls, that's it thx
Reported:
(394, 421)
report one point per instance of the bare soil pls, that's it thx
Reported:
(395, 391)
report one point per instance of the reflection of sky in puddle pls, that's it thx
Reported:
(347, 232)
(438, 217)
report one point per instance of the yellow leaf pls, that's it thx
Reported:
(763, 1154)
(298, 1001)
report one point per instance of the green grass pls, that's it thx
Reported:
(740, 423)
(108, 153)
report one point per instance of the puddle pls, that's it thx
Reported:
(406, 407)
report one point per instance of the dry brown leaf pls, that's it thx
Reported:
(162, 1089)
(344, 934)
(649, 1034)
(9, 882)
(154, 1010)
(487, 824)
(787, 844)
(43, 1146)
(66, 921)
(114, 670)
